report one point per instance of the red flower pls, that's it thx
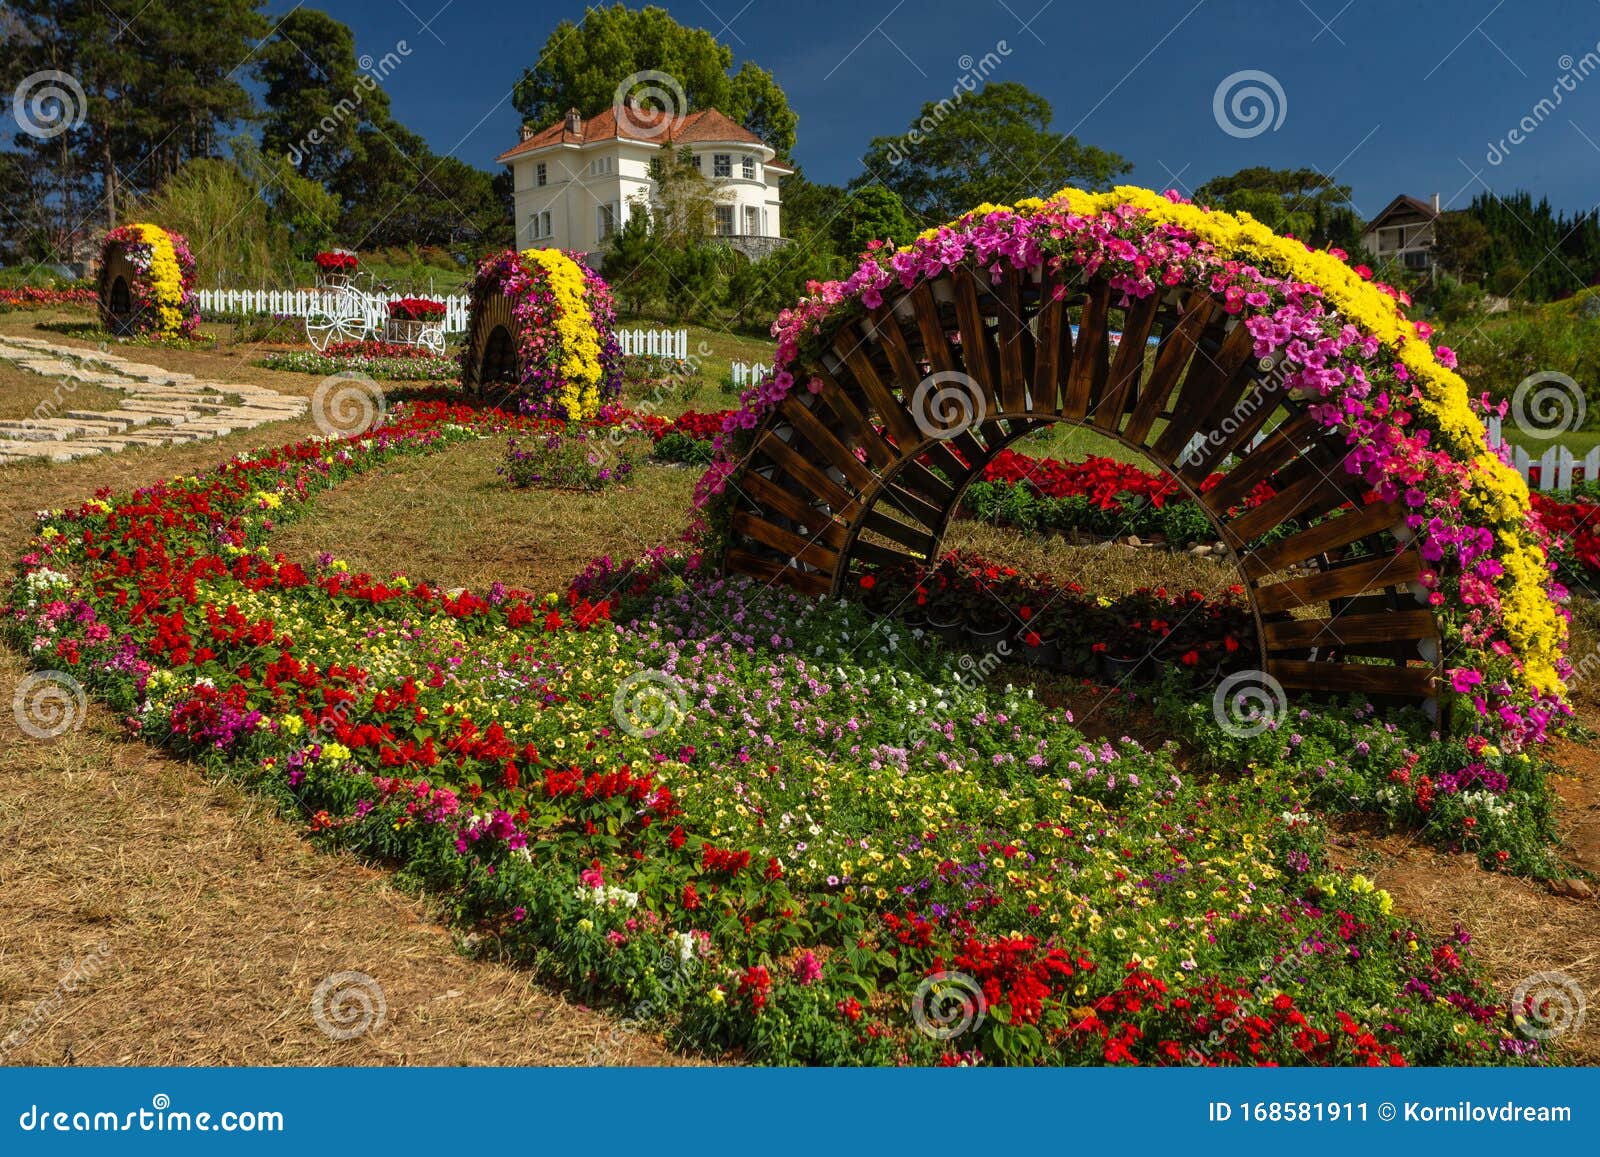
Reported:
(691, 898)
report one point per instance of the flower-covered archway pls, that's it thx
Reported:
(542, 325)
(146, 283)
(1396, 556)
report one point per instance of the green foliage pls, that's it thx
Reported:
(317, 96)
(994, 146)
(234, 239)
(677, 447)
(582, 65)
(162, 83)
(1498, 351)
(1303, 202)
(872, 213)
(395, 190)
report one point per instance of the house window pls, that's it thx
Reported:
(1416, 259)
(749, 164)
(724, 220)
(540, 175)
(539, 226)
(752, 220)
(722, 165)
(600, 166)
(605, 220)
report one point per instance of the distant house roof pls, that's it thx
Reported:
(1403, 206)
(650, 126)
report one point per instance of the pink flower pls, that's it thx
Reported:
(808, 969)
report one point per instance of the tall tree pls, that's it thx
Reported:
(318, 98)
(871, 213)
(397, 191)
(993, 146)
(160, 83)
(581, 66)
(1303, 202)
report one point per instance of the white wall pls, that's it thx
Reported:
(571, 193)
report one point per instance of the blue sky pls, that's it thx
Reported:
(1389, 97)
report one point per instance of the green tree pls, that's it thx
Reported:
(161, 82)
(871, 213)
(683, 207)
(1302, 202)
(317, 97)
(636, 274)
(395, 191)
(994, 146)
(1462, 244)
(581, 66)
(235, 243)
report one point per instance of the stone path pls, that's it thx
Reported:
(160, 407)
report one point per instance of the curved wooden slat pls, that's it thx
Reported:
(854, 478)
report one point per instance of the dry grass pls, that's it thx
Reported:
(28, 395)
(1107, 568)
(450, 518)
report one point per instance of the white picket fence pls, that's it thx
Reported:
(747, 374)
(662, 343)
(300, 302)
(1558, 466)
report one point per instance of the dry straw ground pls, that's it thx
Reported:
(218, 921)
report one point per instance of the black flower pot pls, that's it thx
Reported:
(1115, 668)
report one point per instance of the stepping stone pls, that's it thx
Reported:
(31, 431)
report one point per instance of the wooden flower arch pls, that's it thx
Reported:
(869, 470)
(491, 362)
(115, 290)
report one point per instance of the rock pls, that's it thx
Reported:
(1200, 551)
(1133, 540)
(1574, 888)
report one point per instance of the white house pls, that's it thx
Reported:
(1404, 232)
(579, 180)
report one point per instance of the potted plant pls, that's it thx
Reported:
(335, 268)
(409, 316)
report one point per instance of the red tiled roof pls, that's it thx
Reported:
(639, 124)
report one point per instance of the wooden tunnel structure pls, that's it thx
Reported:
(491, 362)
(869, 471)
(118, 312)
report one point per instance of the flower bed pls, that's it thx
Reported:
(1348, 353)
(767, 817)
(968, 601)
(378, 360)
(161, 291)
(566, 459)
(567, 347)
(39, 297)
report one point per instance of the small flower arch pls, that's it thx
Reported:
(147, 282)
(545, 323)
